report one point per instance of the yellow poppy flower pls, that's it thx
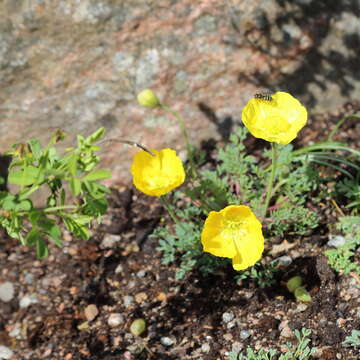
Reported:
(275, 120)
(234, 232)
(157, 174)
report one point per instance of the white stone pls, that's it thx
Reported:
(28, 300)
(6, 291)
(5, 352)
(115, 319)
(109, 241)
(166, 341)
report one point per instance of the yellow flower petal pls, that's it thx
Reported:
(234, 232)
(159, 174)
(276, 121)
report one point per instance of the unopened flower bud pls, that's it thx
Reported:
(148, 98)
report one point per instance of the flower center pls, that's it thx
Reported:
(235, 228)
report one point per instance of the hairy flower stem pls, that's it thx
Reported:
(274, 158)
(190, 153)
(165, 203)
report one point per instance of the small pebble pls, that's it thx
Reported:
(230, 324)
(284, 261)
(205, 347)
(301, 307)
(227, 317)
(141, 297)
(336, 241)
(110, 241)
(6, 291)
(141, 273)
(119, 269)
(166, 341)
(5, 352)
(16, 331)
(28, 300)
(115, 319)
(228, 337)
(128, 300)
(244, 334)
(91, 312)
(236, 347)
(29, 278)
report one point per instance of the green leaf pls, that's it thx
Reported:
(32, 236)
(97, 191)
(51, 229)
(8, 201)
(97, 175)
(77, 228)
(25, 177)
(24, 205)
(34, 216)
(41, 249)
(72, 163)
(96, 207)
(55, 235)
(35, 148)
(96, 135)
(75, 186)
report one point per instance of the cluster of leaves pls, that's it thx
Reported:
(237, 178)
(34, 168)
(353, 339)
(350, 188)
(181, 243)
(341, 258)
(263, 275)
(301, 351)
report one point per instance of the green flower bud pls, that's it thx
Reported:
(293, 283)
(148, 98)
(301, 294)
(137, 327)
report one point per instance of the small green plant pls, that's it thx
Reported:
(34, 168)
(263, 275)
(301, 351)
(294, 285)
(350, 188)
(353, 339)
(341, 258)
(237, 178)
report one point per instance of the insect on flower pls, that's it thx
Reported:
(275, 118)
(266, 97)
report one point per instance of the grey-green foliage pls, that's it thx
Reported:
(238, 178)
(302, 351)
(353, 339)
(34, 168)
(183, 244)
(350, 188)
(341, 258)
(263, 275)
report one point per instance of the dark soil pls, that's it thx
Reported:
(130, 280)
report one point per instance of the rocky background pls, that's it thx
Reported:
(78, 65)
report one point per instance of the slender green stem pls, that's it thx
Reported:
(189, 148)
(274, 157)
(57, 208)
(165, 203)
